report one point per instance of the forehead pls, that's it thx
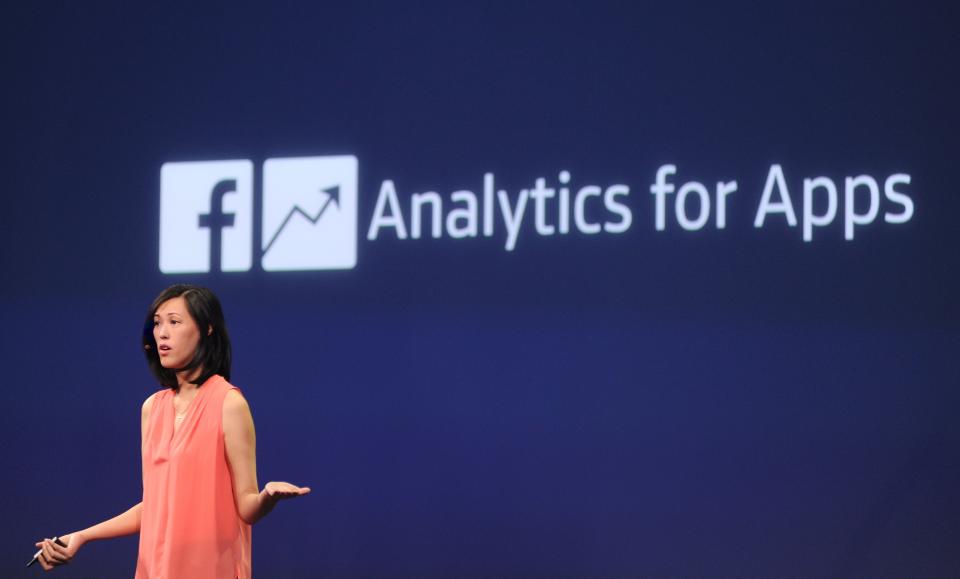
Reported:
(176, 305)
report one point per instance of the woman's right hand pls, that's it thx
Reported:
(53, 555)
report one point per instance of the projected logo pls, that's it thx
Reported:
(309, 215)
(206, 216)
(309, 218)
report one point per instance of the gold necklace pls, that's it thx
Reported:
(178, 416)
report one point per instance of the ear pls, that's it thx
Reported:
(209, 330)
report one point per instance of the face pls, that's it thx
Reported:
(176, 333)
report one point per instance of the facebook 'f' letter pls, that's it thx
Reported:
(206, 216)
(216, 220)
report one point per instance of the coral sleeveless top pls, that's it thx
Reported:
(189, 525)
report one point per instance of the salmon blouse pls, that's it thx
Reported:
(189, 525)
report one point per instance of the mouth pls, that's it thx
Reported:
(163, 349)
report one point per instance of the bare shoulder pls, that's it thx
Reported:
(145, 415)
(235, 398)
(237, 420)
(234, 404)
(147, 405)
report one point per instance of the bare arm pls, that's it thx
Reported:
(123, 524)
(53, 555)
(241, 445)
(126, 523)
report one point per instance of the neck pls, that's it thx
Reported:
(185, 381)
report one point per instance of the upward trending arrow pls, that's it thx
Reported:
(333, 196)
(334, 193)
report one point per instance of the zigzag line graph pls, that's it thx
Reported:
(334, 197)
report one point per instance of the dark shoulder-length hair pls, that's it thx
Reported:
(213, 350)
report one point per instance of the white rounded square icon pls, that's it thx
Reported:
(309, 213)
(206, 216)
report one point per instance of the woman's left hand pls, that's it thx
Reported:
(277, 491)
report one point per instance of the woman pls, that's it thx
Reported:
(200, 492)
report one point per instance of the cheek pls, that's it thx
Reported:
(190, 340)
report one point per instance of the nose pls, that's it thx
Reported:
(160, 331)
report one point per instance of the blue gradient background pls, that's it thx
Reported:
(727, 403)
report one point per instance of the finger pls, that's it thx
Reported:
(56, 547)
(59, 555)
(287, 487)
(45, 559)
(53, 557)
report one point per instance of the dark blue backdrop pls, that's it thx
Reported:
(714, 403)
